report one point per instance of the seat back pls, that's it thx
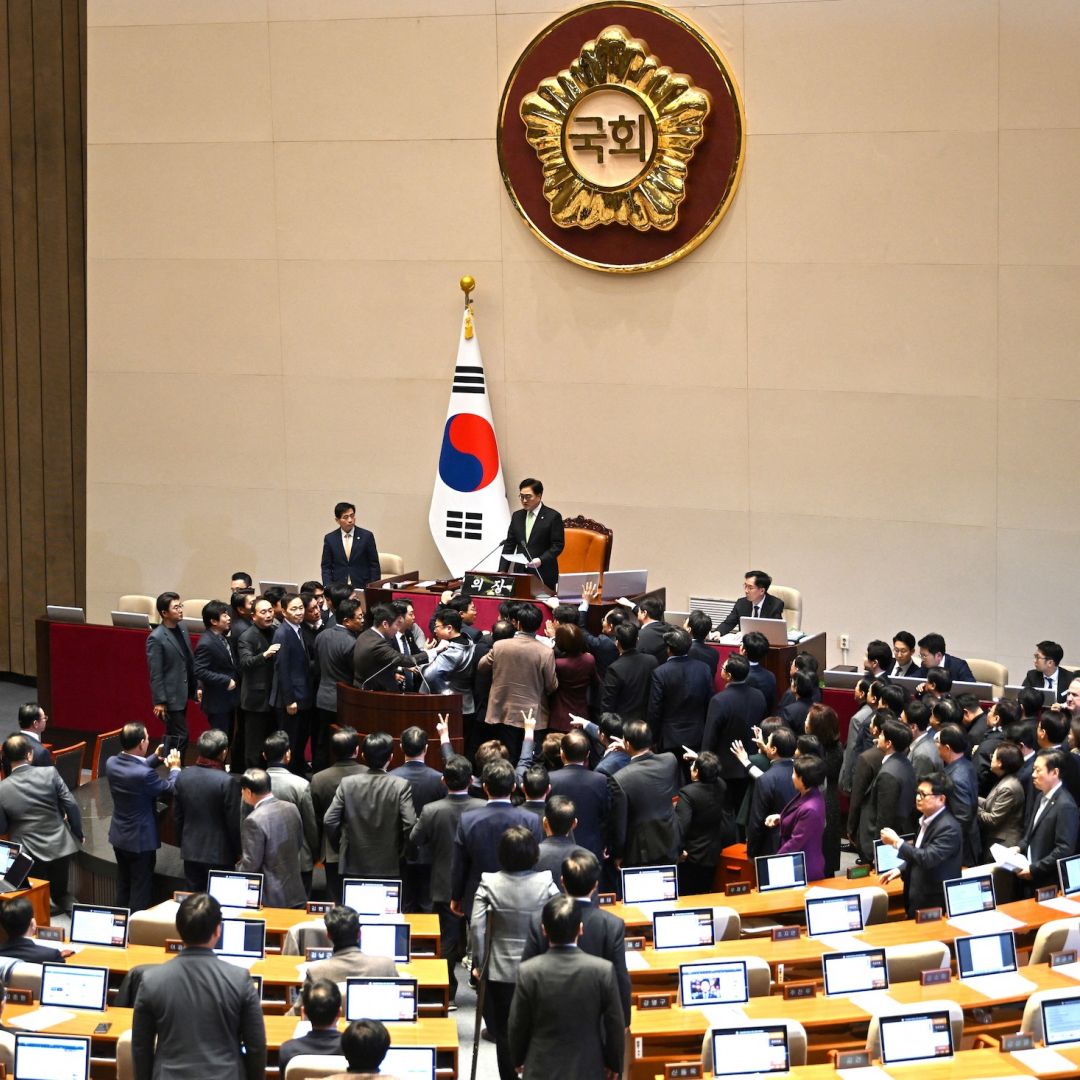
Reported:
(301, 937)
(796, 1037)
(154, 925)
(69, 763)
(390, 564)
(792, 604)
(144, 605)
(125, 1062)
(956, 1019)
(304, 1066)
(727, 925)
(106, 745)
(874, 902)
(905, 963)
(7, 1052)
(26, 976)
(1054, 936)
(990, 671)
(193, 608)
(586, 547)
(1031, 1022)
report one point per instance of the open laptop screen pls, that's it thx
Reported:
(8, 853)
(780, 871)
(737, 1051)
(388, 1000)
(713, 982)
(99, 925)
(965, 896)
(409, 1062)
(1061, 1021)
(52, 1057)
(854, 972)
(683, 929)
(916, 1037)
(69, 986)
(985, 954)
(649, 885)
(385, 939)
(1069, 875)
(235, 890)
(242, 937)
(840, 914)
(372, 896)
(18, 872)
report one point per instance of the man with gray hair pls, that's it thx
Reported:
(271, 837)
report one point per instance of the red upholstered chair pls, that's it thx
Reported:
(588, 546)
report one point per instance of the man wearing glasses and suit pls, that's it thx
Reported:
(536, 531)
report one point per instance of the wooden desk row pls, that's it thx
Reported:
(965, 1065)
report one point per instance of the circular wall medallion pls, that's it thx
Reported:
(621, 136)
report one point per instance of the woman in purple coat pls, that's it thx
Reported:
(802, 821)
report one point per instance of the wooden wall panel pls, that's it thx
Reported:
(42, 316)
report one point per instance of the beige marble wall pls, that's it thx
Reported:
(866, 381)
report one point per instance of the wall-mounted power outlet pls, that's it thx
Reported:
(845, 641)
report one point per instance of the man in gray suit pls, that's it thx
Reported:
(172, 668)
(271, 837)
(286, 785)
(343, 930)
(38, 811)
(566, 1019)
(372, 815)
(197, 1015)
(344, 745)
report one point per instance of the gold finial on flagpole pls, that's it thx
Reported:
(468, 283)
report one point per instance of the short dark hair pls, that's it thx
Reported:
(575, 747)
(1008, 711)
(737, 666)
(343, 744)
(257, 781)
(212, 611)
(535, 782)
(561, 919)
(401, 608)
(808, 746)
(653, 606)
(243, 575)
(940, 679)
(560, 813)
(893, 697)
(275, 746)
(707, 766)
(131, 735)
(677, 641)
(946, 711)
(532, 484)
(810, 769)
(611, 725)
(449, 618)
(756, 646)
(918, 713)
(518, 849)
(212, 743)
(761, 579)
(498, 778)
(1053, 760)
(16, 915)
(1030, 700)
(1022, 733)
(274, 595)
(1011, 757)
(322, 1002)
(342, 508)
(457, 772)
(937, 783)
(1051, 650)
(164, 600)
(700, 624)
(804, 685)
(29, 714)
(626, 635)
(954, 737)
(528, 617)
(1055, 725)
(346, 609)
(880, 653)
(637, 734)
(236, 600)
(905, 637)
(197, 918)
(342, 926)
(580, 872)
(899, 734)
(381, 613)
(935, 643)
(783, 741)
(459, 603)
(378, 746)
(824, 723)
(414, 741)
(364, 1044)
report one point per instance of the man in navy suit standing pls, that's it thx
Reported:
(349, 555)
(135, 785)
(215, 667)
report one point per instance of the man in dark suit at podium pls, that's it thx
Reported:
(536, 531)
(755, 603)
(349, 555)
(376, 657)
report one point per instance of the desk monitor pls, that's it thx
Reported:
(1013, 692)
(1061, 1020)
(775, 630)
(754, 1050)
(232, 889)
(69, 986)
(288, 586)
(372, 896)
(840, 914)
(887, 857)
(618, 583)
(915, 1037)
(854, 972)
(982, 690)
(650, 884)
(780, 871)
(388, 1000)
(1069, 875)
(967, 895)
(835, 679)
(65, 614)
(92, 925)
(17, 873)
(193, 625)
(51, 1057)
(242, 937)
(385, 939)
(908, 683)
(685, 928)
(713, 982)
(985, 954)
(131, 620)
(409, 1062)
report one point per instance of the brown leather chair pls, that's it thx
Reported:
(588, 546)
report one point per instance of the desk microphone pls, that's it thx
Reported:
(375, 674)
(536, 570)
(498, 545)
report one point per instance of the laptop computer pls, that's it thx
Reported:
(242, 937)
(386, 939)
(840, 914)
(713, 982)
(93, 925)
(58, 613)
(1013, 692)
(650, 884)
(684, 928)
(17, 873)
(854, 972)
(966, 896)
(780, 871)
(70, 986)
(757, 1050)
(9, 851)
(985, 954)
(1061, 1021)
(388, 1000)
(775, 630)
(51, 1057)
(193, 625)
(887, 857)
(1069, 875)
(288, 586)
(409, 1062)
(235, 890)
(915, 1037)
(372, 896)
(842, 680)
(131, 620)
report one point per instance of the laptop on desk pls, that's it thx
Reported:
(131, 620)
(750, 1051)
(58, 613)
(915, 1037)
(52, 1057)
(775, 630)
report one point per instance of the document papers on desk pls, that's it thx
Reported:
(875, 1002)
(872, 1072)
(985, 922)
(842, 942)
(635, 961)
(1044, 1061)
(1063, 904)
(1006, 985)
(42, 1018)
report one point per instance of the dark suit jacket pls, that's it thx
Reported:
(867, 766)
(592, 804)
(706, 826)
(427, 786)
(375, 659)
(42, 755)
(680, 694)
(206, 810)
(938, 859)
(257, 672)
(601, 646)
(369, 821)
(764, 680)
(1037, 679)
(361, 567)
(794, 715)
(1051, 838)
(626, 685)
(324, 787)
(771, 608)
(651, 640)
(22, 948)
(957, 668)
(436, 829)
(890, 803)
(709, 657)
(553, 850)
(964, 805)
(215, 668)
(602, 934)
(562, 992)
(643, 825)
(292, 670)
(197, 993)
(545, 543)
(771, 793)
(731, 715)
(334, 655)
(314, 1042)
(135, 786)
(172, 668)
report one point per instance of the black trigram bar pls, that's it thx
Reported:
(468, 379)
(464, 526)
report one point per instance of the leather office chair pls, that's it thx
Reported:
(796, 1038)
(905, 963)
(106, 745)
(26, 976)
(1054, 936)
(309, 1066)
(1031, 1022)
(587, 549)
(956, 1021)
(390, 565)
(193, 608)
(792, 604)
(727, 925)
(144, 605)
(69, 763)
(990, 671)
(874, 902)
(153, 926)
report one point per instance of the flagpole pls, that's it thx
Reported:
(468, 284)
